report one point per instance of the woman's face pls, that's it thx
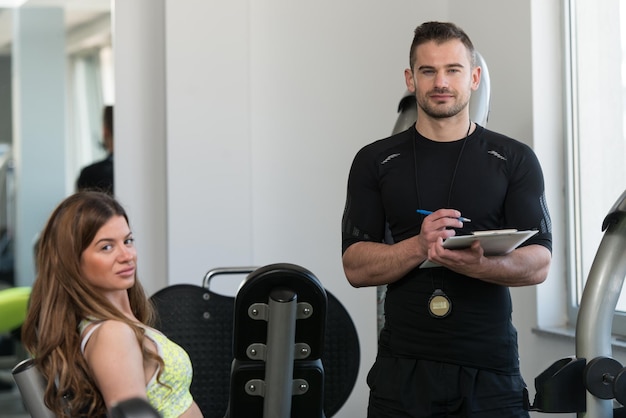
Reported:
(109, 262)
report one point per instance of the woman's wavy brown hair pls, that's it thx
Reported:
(61, 298)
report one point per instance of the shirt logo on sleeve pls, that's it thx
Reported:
(389, 158)
(496, 154)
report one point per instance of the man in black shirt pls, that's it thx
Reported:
(99, 175)
(448, 347)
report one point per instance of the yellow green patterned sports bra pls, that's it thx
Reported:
(171, 398)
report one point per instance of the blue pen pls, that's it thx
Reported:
(427, 212)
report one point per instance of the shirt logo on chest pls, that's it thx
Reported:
(496, 154)
(389, 158)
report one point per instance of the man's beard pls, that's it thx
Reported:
(437, 113)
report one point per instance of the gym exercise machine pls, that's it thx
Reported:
(589, 382)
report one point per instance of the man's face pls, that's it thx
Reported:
(442, 78)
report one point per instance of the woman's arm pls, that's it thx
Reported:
(115, 359)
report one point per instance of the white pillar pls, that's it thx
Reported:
(140, 131)
(39, 126)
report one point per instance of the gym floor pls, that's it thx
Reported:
(11, 405)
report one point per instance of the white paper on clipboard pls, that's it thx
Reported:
(497, 242)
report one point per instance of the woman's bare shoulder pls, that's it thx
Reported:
(112, 334)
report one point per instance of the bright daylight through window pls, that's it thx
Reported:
(596, 140)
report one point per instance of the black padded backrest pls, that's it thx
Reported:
(341, 357)
(201, 322)
(256, 289)
(277, 307)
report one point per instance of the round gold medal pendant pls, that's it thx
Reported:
(439, 304)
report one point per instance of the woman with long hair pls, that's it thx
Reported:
(89, 322)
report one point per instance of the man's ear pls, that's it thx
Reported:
(476, 72)
(410, 81)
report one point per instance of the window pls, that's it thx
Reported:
(596, 146)
(91, 75)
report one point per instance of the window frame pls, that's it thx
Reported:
(574, 213)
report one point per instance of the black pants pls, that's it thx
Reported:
(408, 388)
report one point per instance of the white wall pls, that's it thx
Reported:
(267, 102)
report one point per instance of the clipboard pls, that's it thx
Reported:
(496, 242)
